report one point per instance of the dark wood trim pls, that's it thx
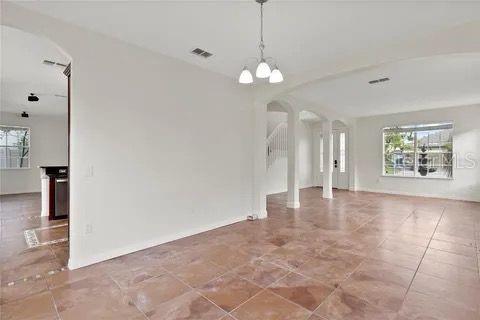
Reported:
(68, 73)
(51, 199)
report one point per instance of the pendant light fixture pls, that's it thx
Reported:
(245, 76)
(263, 70)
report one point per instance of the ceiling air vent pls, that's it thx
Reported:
(53, 63)
(378, 80)
(201, 53)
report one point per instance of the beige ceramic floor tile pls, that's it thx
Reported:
(467, 297)
(343, 306)
(21, 290)
(36, 307)
(260, 272)
(420, 306)
(306, 292)
(150, 294)
(268, 306)
(258, 254)
(190, 305)
(229, 291)
(198, 272)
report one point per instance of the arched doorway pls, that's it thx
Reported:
(35, 103)
(340, 155)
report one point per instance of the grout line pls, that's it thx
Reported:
(291, 270)
(123, 292)
(244, 302)
(426, 249)
(339, 285)
(54, 303)
(360, 264)
(196, 290)
(294, 303)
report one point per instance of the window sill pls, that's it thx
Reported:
(416, 177)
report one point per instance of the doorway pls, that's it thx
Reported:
(340, 163)
(34, 160)
(340, 173)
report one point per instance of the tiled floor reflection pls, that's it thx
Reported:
(358, 256)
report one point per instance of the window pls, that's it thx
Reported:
(418, 150)
(342, 151)
(321, 154)
(14, 147)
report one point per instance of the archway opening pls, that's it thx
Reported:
(34, 148)
(290, 149)
(339, 138)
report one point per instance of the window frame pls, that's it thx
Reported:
(320, 162)
(342, 157)
(415, 153)
(29, 147)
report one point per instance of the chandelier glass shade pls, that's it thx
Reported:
(245, 76)
(263, 70)
(276, 76)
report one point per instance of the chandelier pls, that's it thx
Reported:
(263, 70)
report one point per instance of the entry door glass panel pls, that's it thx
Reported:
(340, 165)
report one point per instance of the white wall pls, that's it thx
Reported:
(277, 173)
(274, 118)
(48, 146)
(466, 141)
(170, 145)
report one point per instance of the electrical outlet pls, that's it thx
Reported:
(88, 228)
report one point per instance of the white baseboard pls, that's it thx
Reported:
(416, 194)
(78, 263)
(19, 192)
(261, 214)
(293, 204)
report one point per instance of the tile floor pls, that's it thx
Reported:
(358, 256)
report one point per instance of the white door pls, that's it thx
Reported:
(340, 160)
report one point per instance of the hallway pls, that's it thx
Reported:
(357, 256)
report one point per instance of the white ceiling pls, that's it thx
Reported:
(23, 73)
(427, 83)
(300, 34)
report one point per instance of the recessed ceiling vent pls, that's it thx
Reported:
(378, 80)
(54, 63)
(201, 53)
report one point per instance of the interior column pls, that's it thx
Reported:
(260, 161)
(327, 158)
(316, 132)
(293, 136)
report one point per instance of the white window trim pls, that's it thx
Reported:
(342, 159)
(29, 147)
(382, 131)
(320, 162)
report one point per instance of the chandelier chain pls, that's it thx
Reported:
(262, 45)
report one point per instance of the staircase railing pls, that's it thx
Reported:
(277, 144)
